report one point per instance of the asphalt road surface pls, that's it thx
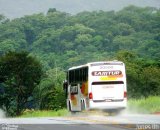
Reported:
(84, 122)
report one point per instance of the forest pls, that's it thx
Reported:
(36, 50)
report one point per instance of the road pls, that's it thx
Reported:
(83, 122)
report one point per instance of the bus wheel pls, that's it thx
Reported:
(69, 106)
(82, 105)
(72, 112)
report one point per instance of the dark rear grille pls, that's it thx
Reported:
(107, 82)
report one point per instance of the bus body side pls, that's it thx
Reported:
(77, 89)
(107, 86)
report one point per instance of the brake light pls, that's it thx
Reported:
(125, 94)
(90, 96)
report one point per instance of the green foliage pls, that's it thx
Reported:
(44, 113)
(142, 77)
(150, 81)
(51, 10)
(3, 19)
(144, 105)
(49, 92)
(19, 73)
(60, 40)
(133, 28)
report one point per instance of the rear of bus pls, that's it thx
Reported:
(107, 85)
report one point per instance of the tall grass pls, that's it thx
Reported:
(50, 113)
(145, 105)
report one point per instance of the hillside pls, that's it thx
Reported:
(88, 36)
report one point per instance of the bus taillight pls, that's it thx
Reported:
(125, 94)
(90, 96)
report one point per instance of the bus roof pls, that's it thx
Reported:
(114, 62)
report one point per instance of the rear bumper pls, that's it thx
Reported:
(108, 105)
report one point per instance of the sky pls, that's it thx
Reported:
(18, 8)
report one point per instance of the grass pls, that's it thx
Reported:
(46, 113)
(144, 105)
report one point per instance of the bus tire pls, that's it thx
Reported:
(70, 107)
(82, 106)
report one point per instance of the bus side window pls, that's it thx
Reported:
(86, 75)
(73, 76)
(83, 74)
(80, 75)
(67, 75)
(76, 76)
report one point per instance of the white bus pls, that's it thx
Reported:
(96, 85)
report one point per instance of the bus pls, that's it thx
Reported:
(96, 85)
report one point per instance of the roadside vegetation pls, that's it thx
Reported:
(150, 105)
(36, 50)
(44, 113)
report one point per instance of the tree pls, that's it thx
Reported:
(20, 74)
(50, 92)
(3, 19)
(51, 10)
(133, 71)
(151, 82)
(8, 45)
(142, 75)
(64, 40)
